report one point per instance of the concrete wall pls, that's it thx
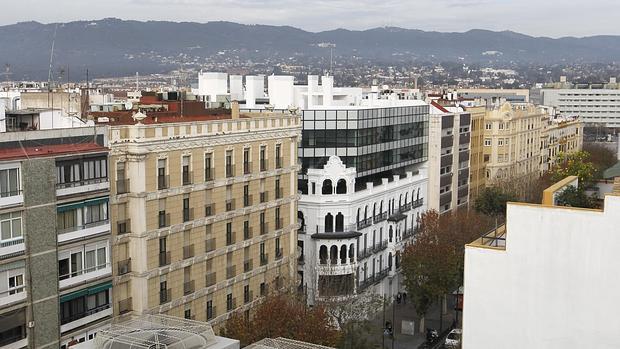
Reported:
(552, 287)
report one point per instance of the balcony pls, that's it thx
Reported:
(210, 279)
(123, 227)
(410, 232)
(247, 167)
(125, 306)
(124, 266)
(209, 210)
(79, 187)
(188, 287)
(264, 259)
(188, 214)
(12, 247)
(210, 245)
(264, 197)
(380, 217)
(188, 251)
(404, 208)
(14, 342)
(164, 258)
(230, 171)
(15, 295)
(264, 228)
(187, 177)
(382, 274)
(165, 296)
(12, 197)
(380, 246)
(163, 182)
(231, 271)
(79, 320)
(363, 254)
(417, 203)
(84, 231)
(247, 200)
(367, 282)
(122, 186)
(365, 223)
(279, 193)
(279, 253)
(247, 265)
(230, 205)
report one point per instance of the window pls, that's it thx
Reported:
(210, 312)
(229, 302)
(10, 226)
(488, 126)
(185, 170)
(501, 125)
(81, 260)
(16, 284)
(445, 170)
(96, 213)
(230, 170)
(246, 161)
(278, 155)
(9, 182)
(208, 171)
(162, 182)
(278, 249)
(263, 158)
(487, 142)
(83, 306)
(230, 239)
(500, 142)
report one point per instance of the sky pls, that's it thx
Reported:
(552, 18)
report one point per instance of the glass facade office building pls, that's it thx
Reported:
(378, 142)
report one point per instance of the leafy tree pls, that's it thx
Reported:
(492, 201)
(601, 156)
(283, 315)
(575, 164)
(574, 197)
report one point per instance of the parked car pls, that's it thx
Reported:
(453, 340)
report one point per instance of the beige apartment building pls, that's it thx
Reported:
(477, 163)
(512, 134)
(204, 213)
(560, 135)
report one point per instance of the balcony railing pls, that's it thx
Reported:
(165, 296)
(210, 279)
(122, 186)
(83, 226)
(382, 274)
(188, 251)
(230, 205)
(83, 314)
(404, 208)
(209, 210)
(231, 271)
(417, 203)
(247, 265)
(380, 217)
(123, 227)
(364, 223)
(189, 287)
(279, 253)
(210, 245)
(366, 282)
(163, 182)
(380, 246)
(124, 266)
(410, 232)
(230, 171)
(164, 258)
(264, 259)
(187, 177)
(125, 306)
(264, 197)
(73, 184)
(364, 253)
(247, 167)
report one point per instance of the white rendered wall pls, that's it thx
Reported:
(212, 84)
(280, 91)
(555, 286)
(236, 87)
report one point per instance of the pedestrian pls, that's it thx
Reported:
(405, 297)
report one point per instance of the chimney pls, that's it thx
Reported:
(612, 80)
(234, 109)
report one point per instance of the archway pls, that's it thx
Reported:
(352, 252)
(327, 187)
(333, 255)
(329, 223)
(343, 254)
(323, 254)
(341, 187)
(339, 222)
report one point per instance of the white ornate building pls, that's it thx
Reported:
(351, 241)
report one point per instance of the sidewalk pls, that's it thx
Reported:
(407, 312)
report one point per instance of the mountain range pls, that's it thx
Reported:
(114, 47)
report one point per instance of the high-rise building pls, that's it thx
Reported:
(545, 279)
(204, 212)
(56, 274)
(448, 157)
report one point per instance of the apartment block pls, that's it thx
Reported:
(204, 212)
(54, 235)
(560, 134)
(477, 162)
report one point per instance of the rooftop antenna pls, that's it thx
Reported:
(49, 72)
(137, 81)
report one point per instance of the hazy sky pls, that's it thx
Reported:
(552, 18)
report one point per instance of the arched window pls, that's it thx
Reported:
(329, 223)
(406, 197)
(323, 254)
(365, 212)
(418, 197)
(352, 252)
(339, 222)
(381, 207)
(357, 219)
(343, 254)
(391, 233)
(327, 186)
(301, 220)
(333, 255)
(374, 210)
(341, 187)
(390, 260)
(400, 201)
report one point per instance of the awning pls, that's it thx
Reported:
(397, 217)
(85, 292)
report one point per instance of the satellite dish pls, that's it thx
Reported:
(128, 105)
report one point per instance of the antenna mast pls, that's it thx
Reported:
(49, 72)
